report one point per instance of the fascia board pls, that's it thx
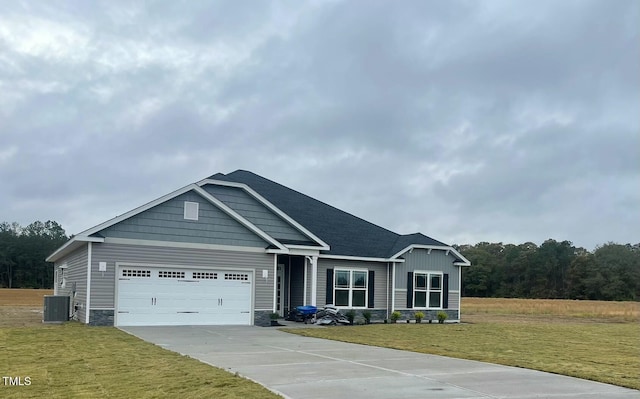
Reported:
(71, 245)
(216, 202)
(464, 261)
(323, 245)
(311, 247)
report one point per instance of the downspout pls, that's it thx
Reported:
(314, 278)
(387, 290)
(393, 287)
(460, 294)
(88, 301)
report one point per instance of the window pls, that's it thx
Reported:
(170, 274)
(350, 288)
(236, 276)
(427, 290)
(136, 273)
(205, 275)
(191, 210)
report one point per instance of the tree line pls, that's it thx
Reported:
(23, 251)
(554, 270)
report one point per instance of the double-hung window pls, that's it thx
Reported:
(427, 290)
(350, 288)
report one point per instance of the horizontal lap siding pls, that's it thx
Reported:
(103, 283)
(401, 299)
(257, 213)
(76, 272)
(381, 282)
(454, 300)
(165, 222)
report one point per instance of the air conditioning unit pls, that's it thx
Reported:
(56, 308)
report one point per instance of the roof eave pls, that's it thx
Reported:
(70, 246)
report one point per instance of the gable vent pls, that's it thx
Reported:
(191, 210)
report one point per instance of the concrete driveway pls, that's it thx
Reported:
(299, 368)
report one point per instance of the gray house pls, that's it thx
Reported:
(232, 249)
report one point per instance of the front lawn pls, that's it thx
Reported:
(605, 352)
(78, 361)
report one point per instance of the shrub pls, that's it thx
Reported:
(418, 316)
(274, 316)
(366, 314)
(351, 315)
(395, 316)
(442, 316)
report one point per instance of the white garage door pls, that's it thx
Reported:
(160, 296)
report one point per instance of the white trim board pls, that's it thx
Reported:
(179, 244)
(465, 261)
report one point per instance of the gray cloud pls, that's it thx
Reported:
(500, 121)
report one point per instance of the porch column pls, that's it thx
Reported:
(314, 280)
(275, 282)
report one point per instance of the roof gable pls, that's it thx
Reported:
(346, 234)
(166, 222)
(253, 210)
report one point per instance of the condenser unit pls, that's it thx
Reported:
(56, 308)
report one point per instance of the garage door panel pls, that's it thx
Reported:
(171, 296)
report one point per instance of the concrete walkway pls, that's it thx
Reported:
(300, 368)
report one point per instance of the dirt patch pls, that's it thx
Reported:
(20, 316)
(22, 307)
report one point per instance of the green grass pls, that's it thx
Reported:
(77, 361)
(605, 352)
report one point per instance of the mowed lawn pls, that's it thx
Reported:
(600, 346)
(72, 360)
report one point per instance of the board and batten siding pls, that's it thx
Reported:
(380, 286)
(166, 222)
(75, 274)
(254, 211)
(103, 283)
(421, 259)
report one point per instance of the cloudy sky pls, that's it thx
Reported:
(468, 121)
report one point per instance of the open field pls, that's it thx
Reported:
(600, 343)
(23, 297)
(479, 308)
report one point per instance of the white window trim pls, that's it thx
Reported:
(351, 289)
(190, 208)
(428, 290)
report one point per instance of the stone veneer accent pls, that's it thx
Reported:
(101, 318)
(262, 318)
(428, 315)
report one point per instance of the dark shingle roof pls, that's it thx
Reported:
(346, 234)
